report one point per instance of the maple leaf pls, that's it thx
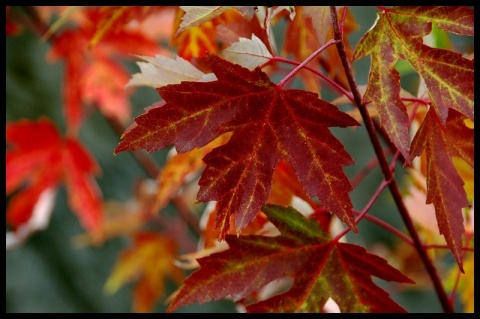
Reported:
(320, 268)
(249, 53)
(398, 34)
(198, 40)
(444, 185)
(103, 82)
(39, 157)
(245, 27)
(114, 19)
(466, 286)
(285, 187)
(209, 240)
(85, 68)
(39, 218)
(301, 42)
(195, 16)
(311, 28)
(149, 262)
(177, 169)
(267, 124)
(160, 70)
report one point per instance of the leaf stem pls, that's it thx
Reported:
(365, 210)
(386, 226)
(374, 197)
(307, 60)
(334, 84)
(392, 185)
(366, 169)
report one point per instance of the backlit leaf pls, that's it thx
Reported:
(197, 41)
(114, 19)
(195, 16)
(285, 187)
(466, 285)
(398, 34)
(175, 172)
(160, 70)
(249, 53)
(301, 42)
(92, 75)
(149, 262)
(444, 185)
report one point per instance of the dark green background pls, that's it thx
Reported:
(46, 274)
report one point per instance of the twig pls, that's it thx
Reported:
(307, 60)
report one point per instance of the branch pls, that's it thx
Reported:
(392, 185)
(334, 84)
(307, 60)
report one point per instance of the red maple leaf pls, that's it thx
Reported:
(38, 159)
(444, 185)
(398, 34)
(114, 19)
(267, 124)
(320, 268)
(85, 67)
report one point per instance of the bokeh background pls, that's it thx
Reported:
(47, 274)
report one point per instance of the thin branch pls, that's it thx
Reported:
(372, 200)
(365, 210)
(334, 84)
(393, 187)
(366, 169)
(307, 60)
(386, 226)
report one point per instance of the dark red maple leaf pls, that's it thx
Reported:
(398, 34)
(267, 124)
(320, 268)
(444, 185)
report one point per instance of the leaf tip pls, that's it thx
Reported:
(120, 148)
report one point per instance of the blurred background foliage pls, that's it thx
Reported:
(48, 274)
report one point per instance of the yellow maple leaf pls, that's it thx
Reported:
(198, 40)
(149, 262)
(175, 173)
(465, 285)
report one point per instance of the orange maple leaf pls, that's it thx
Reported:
(197, 41)
(148, 262)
